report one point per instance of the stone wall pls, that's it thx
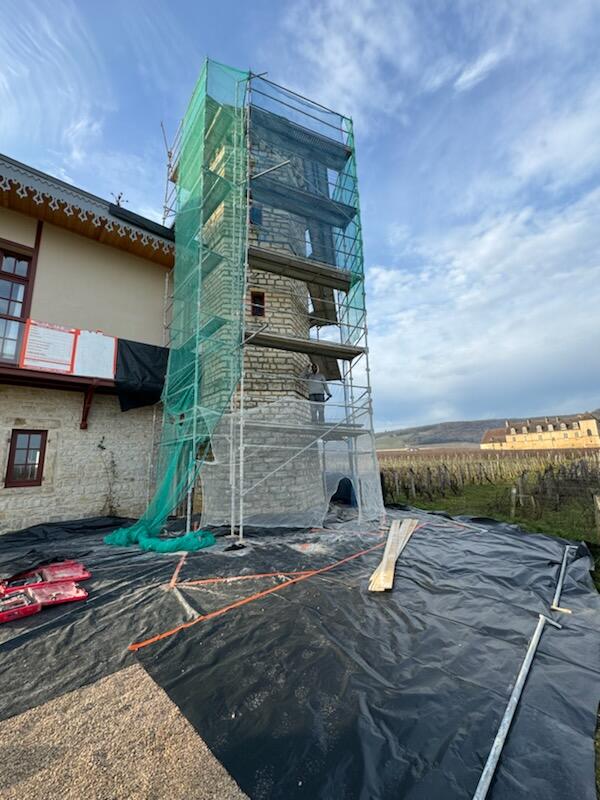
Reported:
(269, 374)
(101, 470)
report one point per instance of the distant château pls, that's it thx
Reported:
(547, 433)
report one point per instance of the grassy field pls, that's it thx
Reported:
(546, 492)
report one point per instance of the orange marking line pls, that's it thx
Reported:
(152, 640)
(335, 530)
(180, 564)
(232, 578)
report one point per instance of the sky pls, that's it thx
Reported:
(478, 143)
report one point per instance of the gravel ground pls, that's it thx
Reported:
(120, 738)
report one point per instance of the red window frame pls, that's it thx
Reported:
(10, 482)
(22, 254)
(257, 304)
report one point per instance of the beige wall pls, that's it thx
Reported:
(17, 227)
(83, 284)
(550, 440)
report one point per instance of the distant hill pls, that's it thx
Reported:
(455, 434)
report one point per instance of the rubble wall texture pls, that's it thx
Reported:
(102, 470)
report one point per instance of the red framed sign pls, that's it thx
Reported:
(70, 351)
(47, 347)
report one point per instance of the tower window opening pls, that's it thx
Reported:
(257, 304)
(308, 248)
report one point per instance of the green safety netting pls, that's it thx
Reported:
(205, 353)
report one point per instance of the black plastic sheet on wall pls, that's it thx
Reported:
(140, 373)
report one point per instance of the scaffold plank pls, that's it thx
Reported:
(400, 532)
(346, 352)
(301, 269)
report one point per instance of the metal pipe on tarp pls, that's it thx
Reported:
(496, 751)
(559, 584)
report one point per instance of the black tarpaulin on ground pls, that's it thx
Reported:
(71, 645)
(140, 373)
(323, 689)
(68, 646)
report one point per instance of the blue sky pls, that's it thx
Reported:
(478, 137)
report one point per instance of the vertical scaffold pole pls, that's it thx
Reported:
(246, 141)
(232, 465)
(198, 350)
(188, 509)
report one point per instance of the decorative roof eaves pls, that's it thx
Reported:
(62, 196)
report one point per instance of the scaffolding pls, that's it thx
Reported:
(205, 320)
(265, 197)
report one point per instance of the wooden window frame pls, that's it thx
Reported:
(258, 308)
(11, 483)
(10, 248)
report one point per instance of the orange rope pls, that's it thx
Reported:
(339, 530)
(180, 564)
(232, 578)
(152, 640)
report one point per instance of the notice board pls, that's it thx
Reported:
(95, 355)
(48, 347)
(70, 351)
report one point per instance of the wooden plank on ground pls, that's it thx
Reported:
(400, 532)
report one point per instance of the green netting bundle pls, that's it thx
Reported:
(190, 541)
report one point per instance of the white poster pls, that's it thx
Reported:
(48, 347)
(95, 355)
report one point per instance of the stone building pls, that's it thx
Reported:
(92, 302)
(305, 306)
(77, 262)
(546, 433)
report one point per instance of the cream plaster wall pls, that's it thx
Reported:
(17, 227)
(81, 283)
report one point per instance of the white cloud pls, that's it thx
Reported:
(354, 57)
(563, 148)
(159, 42)
(477, 71)
(500, 318)
(58, 100)
(54, 91)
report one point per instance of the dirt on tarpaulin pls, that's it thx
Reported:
(319, 688)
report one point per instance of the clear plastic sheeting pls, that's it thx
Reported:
(292, 465)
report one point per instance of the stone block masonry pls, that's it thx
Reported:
(102, 470)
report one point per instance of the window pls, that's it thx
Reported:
(308, 248)
(565, 435)
(550, 426)
(26, 458)
(256, 214)
(563, 427)
(575, 425)
(524, 429)
(513, 431)
(589, 432)
(538, 428)
(14, 294)
(257, 304)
